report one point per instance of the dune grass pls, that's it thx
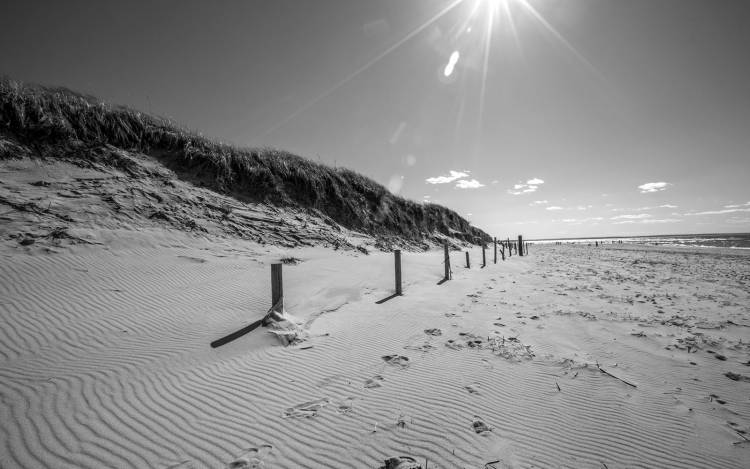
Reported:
(49, 121)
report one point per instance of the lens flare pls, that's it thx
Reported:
(364, 67)
(451, 64)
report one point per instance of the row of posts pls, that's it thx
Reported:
(277, 285)
(521, 248)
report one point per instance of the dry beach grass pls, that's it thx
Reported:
(60, 124)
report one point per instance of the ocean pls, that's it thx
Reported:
(711, 240)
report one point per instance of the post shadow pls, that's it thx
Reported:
(380, 302)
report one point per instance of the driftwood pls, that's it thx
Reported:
(615, 377)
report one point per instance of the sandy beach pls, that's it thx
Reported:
(572, 356)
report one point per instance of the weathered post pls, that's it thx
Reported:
(484, 255)
(277, 288)
(468, 264)
(502, 250)
(447, 262)
(510, 248)
(494, 240)
(520, 245)
(397, 260)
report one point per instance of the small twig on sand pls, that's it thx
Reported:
(615, 377)
(558, 387)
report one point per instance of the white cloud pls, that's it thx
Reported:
(469, 184)
(649, 220)
(641, 209)
(737, 205)
(494, 181)
(539, 202)
(581, 220)
(531, 186)
(640, 216)
(454, 175)
(720, 212)
(653, 187)
(554, 207)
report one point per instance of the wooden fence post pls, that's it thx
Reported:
(520, 245)
(277, 288)
(502, 249)
(447, 262)
(484, 256)
(510, 248)
(494, 240)
(468, 264)
(397, 260)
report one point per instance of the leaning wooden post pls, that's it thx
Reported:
(520, 245)
(397, 259)
(447, 262)
(494, 240)
(468, 264)
(277, 288)
(484, 256)
(502, 250)
(510, 248)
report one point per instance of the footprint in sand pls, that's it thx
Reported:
(422, 348)
(433, 332)
(396, 360)
(473, 388)
(306, 409)
(346, 406)
(374, 382)
(480, 427)
(453, 344)
(251, 459)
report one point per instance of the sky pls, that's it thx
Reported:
(546, 118)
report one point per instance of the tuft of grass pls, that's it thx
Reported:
(52, 121)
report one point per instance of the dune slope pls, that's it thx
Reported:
(59, 124)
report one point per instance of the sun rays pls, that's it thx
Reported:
(475, 26)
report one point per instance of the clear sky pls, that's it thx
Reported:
(540, 117)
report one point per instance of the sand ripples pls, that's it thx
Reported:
(105, 363)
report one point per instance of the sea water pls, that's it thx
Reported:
(709, 240)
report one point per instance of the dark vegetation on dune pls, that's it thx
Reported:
(56, 122)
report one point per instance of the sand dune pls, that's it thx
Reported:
(106, 363)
